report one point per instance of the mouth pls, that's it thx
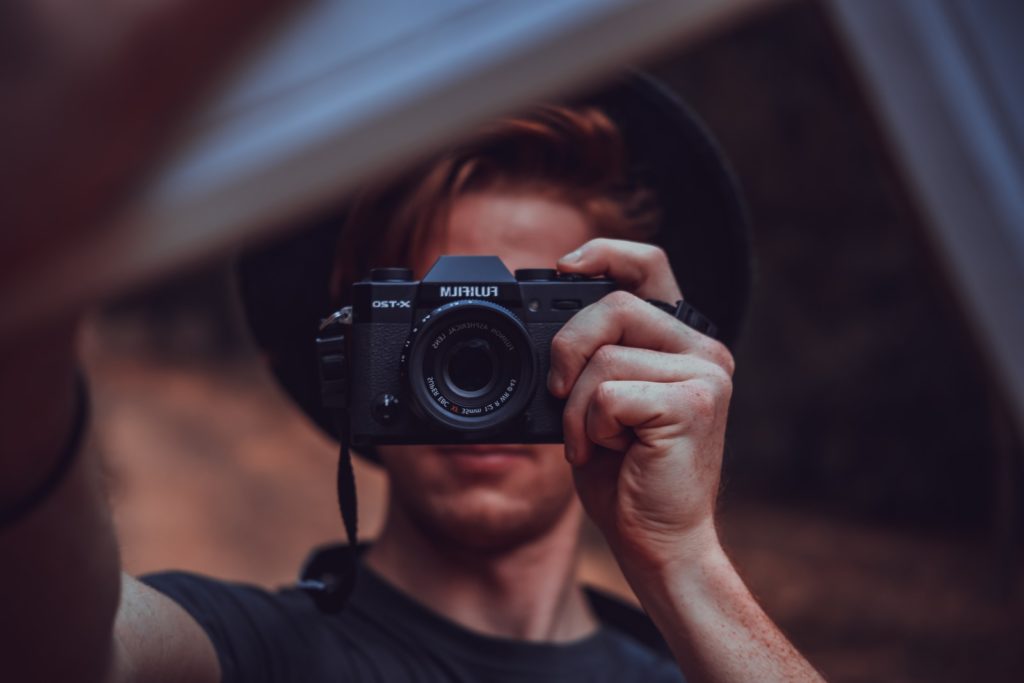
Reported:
(486, 450)
(485, 458)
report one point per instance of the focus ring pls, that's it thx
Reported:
(427, 371)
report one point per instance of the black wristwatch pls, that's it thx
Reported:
(14, 513)
(688, 315)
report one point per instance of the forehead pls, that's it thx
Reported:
(526, 229)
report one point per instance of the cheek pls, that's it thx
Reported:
(551, 462)
(407, 465)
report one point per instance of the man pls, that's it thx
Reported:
(473, 576)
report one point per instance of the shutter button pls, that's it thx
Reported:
(532, 274)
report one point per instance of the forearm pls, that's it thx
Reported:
(712, 623)
(90, 96)
(59, 579)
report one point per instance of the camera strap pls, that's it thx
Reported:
(347, 505)
(331, 585)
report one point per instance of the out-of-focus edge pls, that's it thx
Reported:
(936, 73)
(311, 155)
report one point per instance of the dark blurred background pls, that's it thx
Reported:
(873, 478)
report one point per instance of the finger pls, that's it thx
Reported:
(640, 268)
(617, 407)
(622, 319)
(626, 363)
(623, 412)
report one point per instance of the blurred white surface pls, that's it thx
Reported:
(946, 78)
(342, 91)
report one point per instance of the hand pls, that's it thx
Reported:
(646, 412)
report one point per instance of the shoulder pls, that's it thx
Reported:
(210, 599)
(255, 632)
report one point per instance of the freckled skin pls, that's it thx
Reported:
(647, 403)
(646, 435)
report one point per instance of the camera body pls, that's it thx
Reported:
(459, 357)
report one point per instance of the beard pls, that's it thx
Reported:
(480, 514)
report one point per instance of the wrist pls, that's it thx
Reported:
(38, 372)
(679, 553)
(24, 505)
(698, 576)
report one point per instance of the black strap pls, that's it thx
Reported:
(332, 585)
(22, 508)
(689, 315)
(347, 505)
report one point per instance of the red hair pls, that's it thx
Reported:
(574, 155)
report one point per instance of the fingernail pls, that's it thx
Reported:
(571, 257)
(554, 384)
(570, 454)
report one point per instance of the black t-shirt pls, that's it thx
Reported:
(383, 635)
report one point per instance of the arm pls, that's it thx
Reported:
(92, 92)
(68, 614)
(89, 97)
(713, 624)
(647, 401)
(70, 528)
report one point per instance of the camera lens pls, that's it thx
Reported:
(470, 366)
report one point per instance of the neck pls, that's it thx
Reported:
(528, 592)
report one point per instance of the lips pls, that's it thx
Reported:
(485, 459)
(485, 450)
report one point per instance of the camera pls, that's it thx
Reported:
(459, 357)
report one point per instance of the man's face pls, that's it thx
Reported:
(491, 497)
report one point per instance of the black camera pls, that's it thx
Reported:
(459, 357)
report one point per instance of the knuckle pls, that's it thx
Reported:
(654, 255)
(605, 357)
(719, 386)
(561, 343)
(699, 401)
(620, 299)
(721, 379)
(716, 352)
(724, 359)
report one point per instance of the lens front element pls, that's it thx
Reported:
(470, 366)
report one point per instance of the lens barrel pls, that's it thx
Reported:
(470, 366)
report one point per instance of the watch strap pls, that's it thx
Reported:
(689, 315)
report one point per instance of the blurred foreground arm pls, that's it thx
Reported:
(644, 426)
(60, 582)
(88, 93)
